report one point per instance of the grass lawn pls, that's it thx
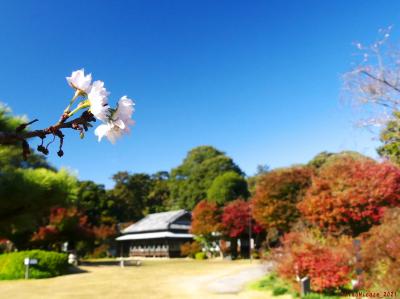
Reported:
(154, 279)
(273, 284)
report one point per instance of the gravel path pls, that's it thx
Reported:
(234, 283)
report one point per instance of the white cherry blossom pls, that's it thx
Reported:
(98, 100)
(119, 121)
(124, 112)
(79, 81)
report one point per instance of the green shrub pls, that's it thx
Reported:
(272, 283)
(279, 291)
(200, 256)
(267, 282)
(278, 286)
(49, 264)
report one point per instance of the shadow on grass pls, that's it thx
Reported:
(75, 270)
(108, 262)
(100, 263)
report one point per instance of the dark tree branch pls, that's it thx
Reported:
(22, 127)
(20, 136)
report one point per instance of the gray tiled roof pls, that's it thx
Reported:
(154, 222)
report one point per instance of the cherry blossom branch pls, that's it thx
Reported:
(12, 138)
(81, 124)
(93, 97)
(383, 81)
(374, 84)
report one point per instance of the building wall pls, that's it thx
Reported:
(153, 247)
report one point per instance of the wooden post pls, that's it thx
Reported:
(305, 286)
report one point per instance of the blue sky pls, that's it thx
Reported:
(259, 80)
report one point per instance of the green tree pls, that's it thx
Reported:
(129, 195)
(93, 200)
(320, 159)
(390, 138)
(228, 187)
(191, 180)
(136, 195)
(9, 122)
(28, 188)
(252, 181)
(159, 194)
(26, 196)
(326, 157)
(10, 155)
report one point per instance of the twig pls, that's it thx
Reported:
(384, 81)
(7, 138)
(22, 127)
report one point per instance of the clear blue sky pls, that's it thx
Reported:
(257, 79)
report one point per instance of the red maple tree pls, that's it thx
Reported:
(327, 262)
(350, 195)
(65, 224)
(205, 218)
(236, 217)
(276, 196)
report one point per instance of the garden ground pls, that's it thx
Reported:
(159, 279)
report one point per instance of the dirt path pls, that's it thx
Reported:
(226, 283)
(235, 282)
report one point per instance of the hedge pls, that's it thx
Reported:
(200, 256)
(49, 264)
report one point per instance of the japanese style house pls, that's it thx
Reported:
(157, 235)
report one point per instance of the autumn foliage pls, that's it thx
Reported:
(380, 253)
(350, 195)
(277, 193)
(236, 217)
(104, 232)
(190, 249)
(205, 218)
(347, 196)
(327, 262)
(65, 224)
